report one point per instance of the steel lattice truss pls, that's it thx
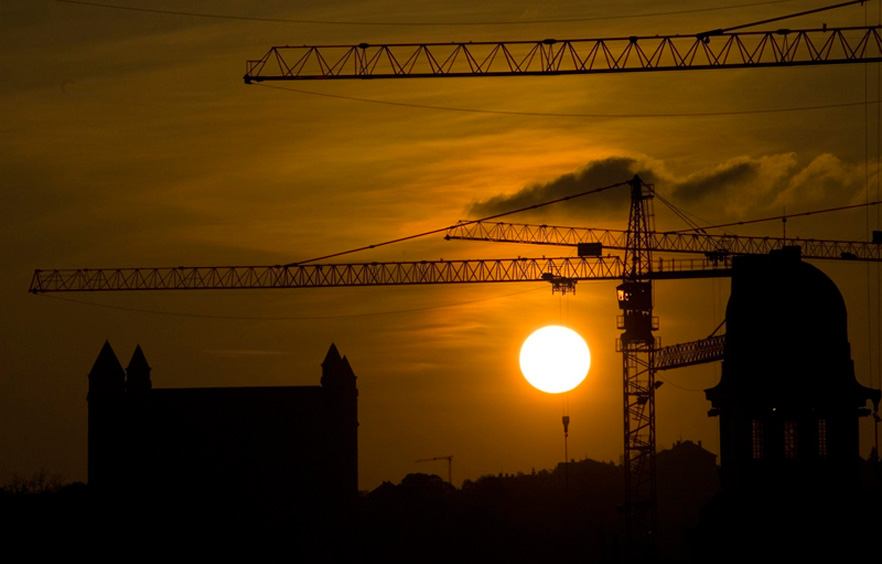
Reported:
(783, 47)
(638, 370)
(641, 513)
(707, 244)
(361, 274)
(689, 354)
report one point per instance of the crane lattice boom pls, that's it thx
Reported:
(690, 354)
(361, 274)
(711, 50)
(702, 243)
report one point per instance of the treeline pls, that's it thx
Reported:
(571, 512)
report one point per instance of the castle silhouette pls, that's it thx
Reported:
(265, 451)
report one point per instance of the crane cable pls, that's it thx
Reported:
(878, 211)
(868, 278)
(680, 213)
(459, 224)
(407, 24)
(780, 217)
(559, 114)
(707, 34)
(285, 318)
(695, 227)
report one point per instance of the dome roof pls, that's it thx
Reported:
(786, 336)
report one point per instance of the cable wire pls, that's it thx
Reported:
(680, 213)
(467, 222)
(561, 115)
(285, 318)
(780, 217)
(409, 24)
(779, 18)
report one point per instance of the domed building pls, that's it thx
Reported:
(788, 404)
(788, 400)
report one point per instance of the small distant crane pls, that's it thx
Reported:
(449, 460)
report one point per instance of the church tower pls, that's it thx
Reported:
(138, 373)
(107, 381)
(341, 394)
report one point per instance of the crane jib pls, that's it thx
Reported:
(755, 49)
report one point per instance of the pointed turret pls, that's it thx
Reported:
(333, 355)
(336, 372)
(346, 368)
(107, 382)
(138, 372)
(107, 374)
(341, 395)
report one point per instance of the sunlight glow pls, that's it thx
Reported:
(555, 359)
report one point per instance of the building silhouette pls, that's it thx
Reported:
(688, 478)
(260, 451)
(788, 405)
(788, 400)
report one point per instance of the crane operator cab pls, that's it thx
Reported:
(635, 298)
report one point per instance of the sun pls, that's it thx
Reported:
(555, 359)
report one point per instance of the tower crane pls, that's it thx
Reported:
(724, 48)
(449, 460)
(727, 48)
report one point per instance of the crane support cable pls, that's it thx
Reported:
(781, 217)
(286, 317)
(449, 227)
(679, 213)
(779, 18)
(748, 49)
(720, 326)
(570, 115)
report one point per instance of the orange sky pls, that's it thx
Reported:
(129, 139)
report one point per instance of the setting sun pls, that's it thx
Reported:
(555, 359)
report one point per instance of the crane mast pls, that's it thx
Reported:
(637, 345)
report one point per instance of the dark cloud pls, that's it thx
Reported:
(741, 187)
(595, 174)
(716, 182)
